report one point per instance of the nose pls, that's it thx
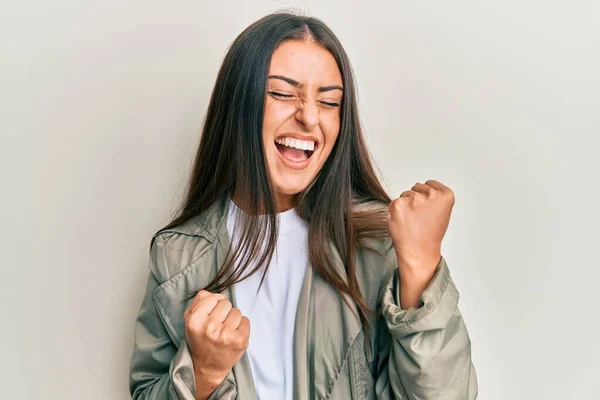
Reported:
(308, 114)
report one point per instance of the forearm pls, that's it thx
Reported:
(414, 279)
(431, 366)
(430, 355)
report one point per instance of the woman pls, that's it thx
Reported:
(287, 229)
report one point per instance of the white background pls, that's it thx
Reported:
(101, 104)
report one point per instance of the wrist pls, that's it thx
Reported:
(414, 279)
(207, 381)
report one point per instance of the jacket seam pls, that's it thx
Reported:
(164, 254)
(346, 356)
(352, 373)
(166, 322)
(184, 272)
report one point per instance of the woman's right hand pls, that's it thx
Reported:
(217, 334)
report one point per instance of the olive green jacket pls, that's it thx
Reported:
(421, 353)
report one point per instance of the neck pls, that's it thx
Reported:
(283, 202)
(286, 202)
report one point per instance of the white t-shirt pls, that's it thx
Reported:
(272, 311)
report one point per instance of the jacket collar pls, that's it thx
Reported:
(210, 224)
(325, 325)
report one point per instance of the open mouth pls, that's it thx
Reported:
(295, 150)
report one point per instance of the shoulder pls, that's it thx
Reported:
(172, 252)
(176, 249)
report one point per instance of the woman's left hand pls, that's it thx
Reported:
(418, 221)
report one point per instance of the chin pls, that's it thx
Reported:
(290, 188)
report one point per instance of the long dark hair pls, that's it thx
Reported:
(344, 205)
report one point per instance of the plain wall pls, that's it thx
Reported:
(101, 104)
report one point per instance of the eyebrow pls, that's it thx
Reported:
(300, 85)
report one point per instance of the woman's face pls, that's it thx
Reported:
(302, 116)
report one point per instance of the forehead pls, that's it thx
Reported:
(305, 62)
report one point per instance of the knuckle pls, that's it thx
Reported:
(226, 303)
(225, 338)
(203, 294)
(236, 340)
(213, 336)
(231, 338)
(235, 312)
(396, 204)
(212, 328)
(451, 196)
(193, 326)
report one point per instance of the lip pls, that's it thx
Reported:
(292, 164)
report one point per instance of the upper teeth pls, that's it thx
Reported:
(297, 143)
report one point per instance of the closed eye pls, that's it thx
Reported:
(281, 95)
(291, 96)
(329, 104)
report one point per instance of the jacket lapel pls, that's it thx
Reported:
(303, 325)
(325, 329)
(241, 373)
(325, 326)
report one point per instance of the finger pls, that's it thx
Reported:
(445, 190)
(407, 193)
(204, 306)
(244, 327)
(200, 296)
(436, 185)
(221, 310)
(233, 319)
(423, 189)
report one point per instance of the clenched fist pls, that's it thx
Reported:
(217, 335)
(417, 222)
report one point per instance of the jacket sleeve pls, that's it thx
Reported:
(429, 350)
(160, 370)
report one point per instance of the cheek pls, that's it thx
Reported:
(276, 113)
(330, 127)
(268, 121)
